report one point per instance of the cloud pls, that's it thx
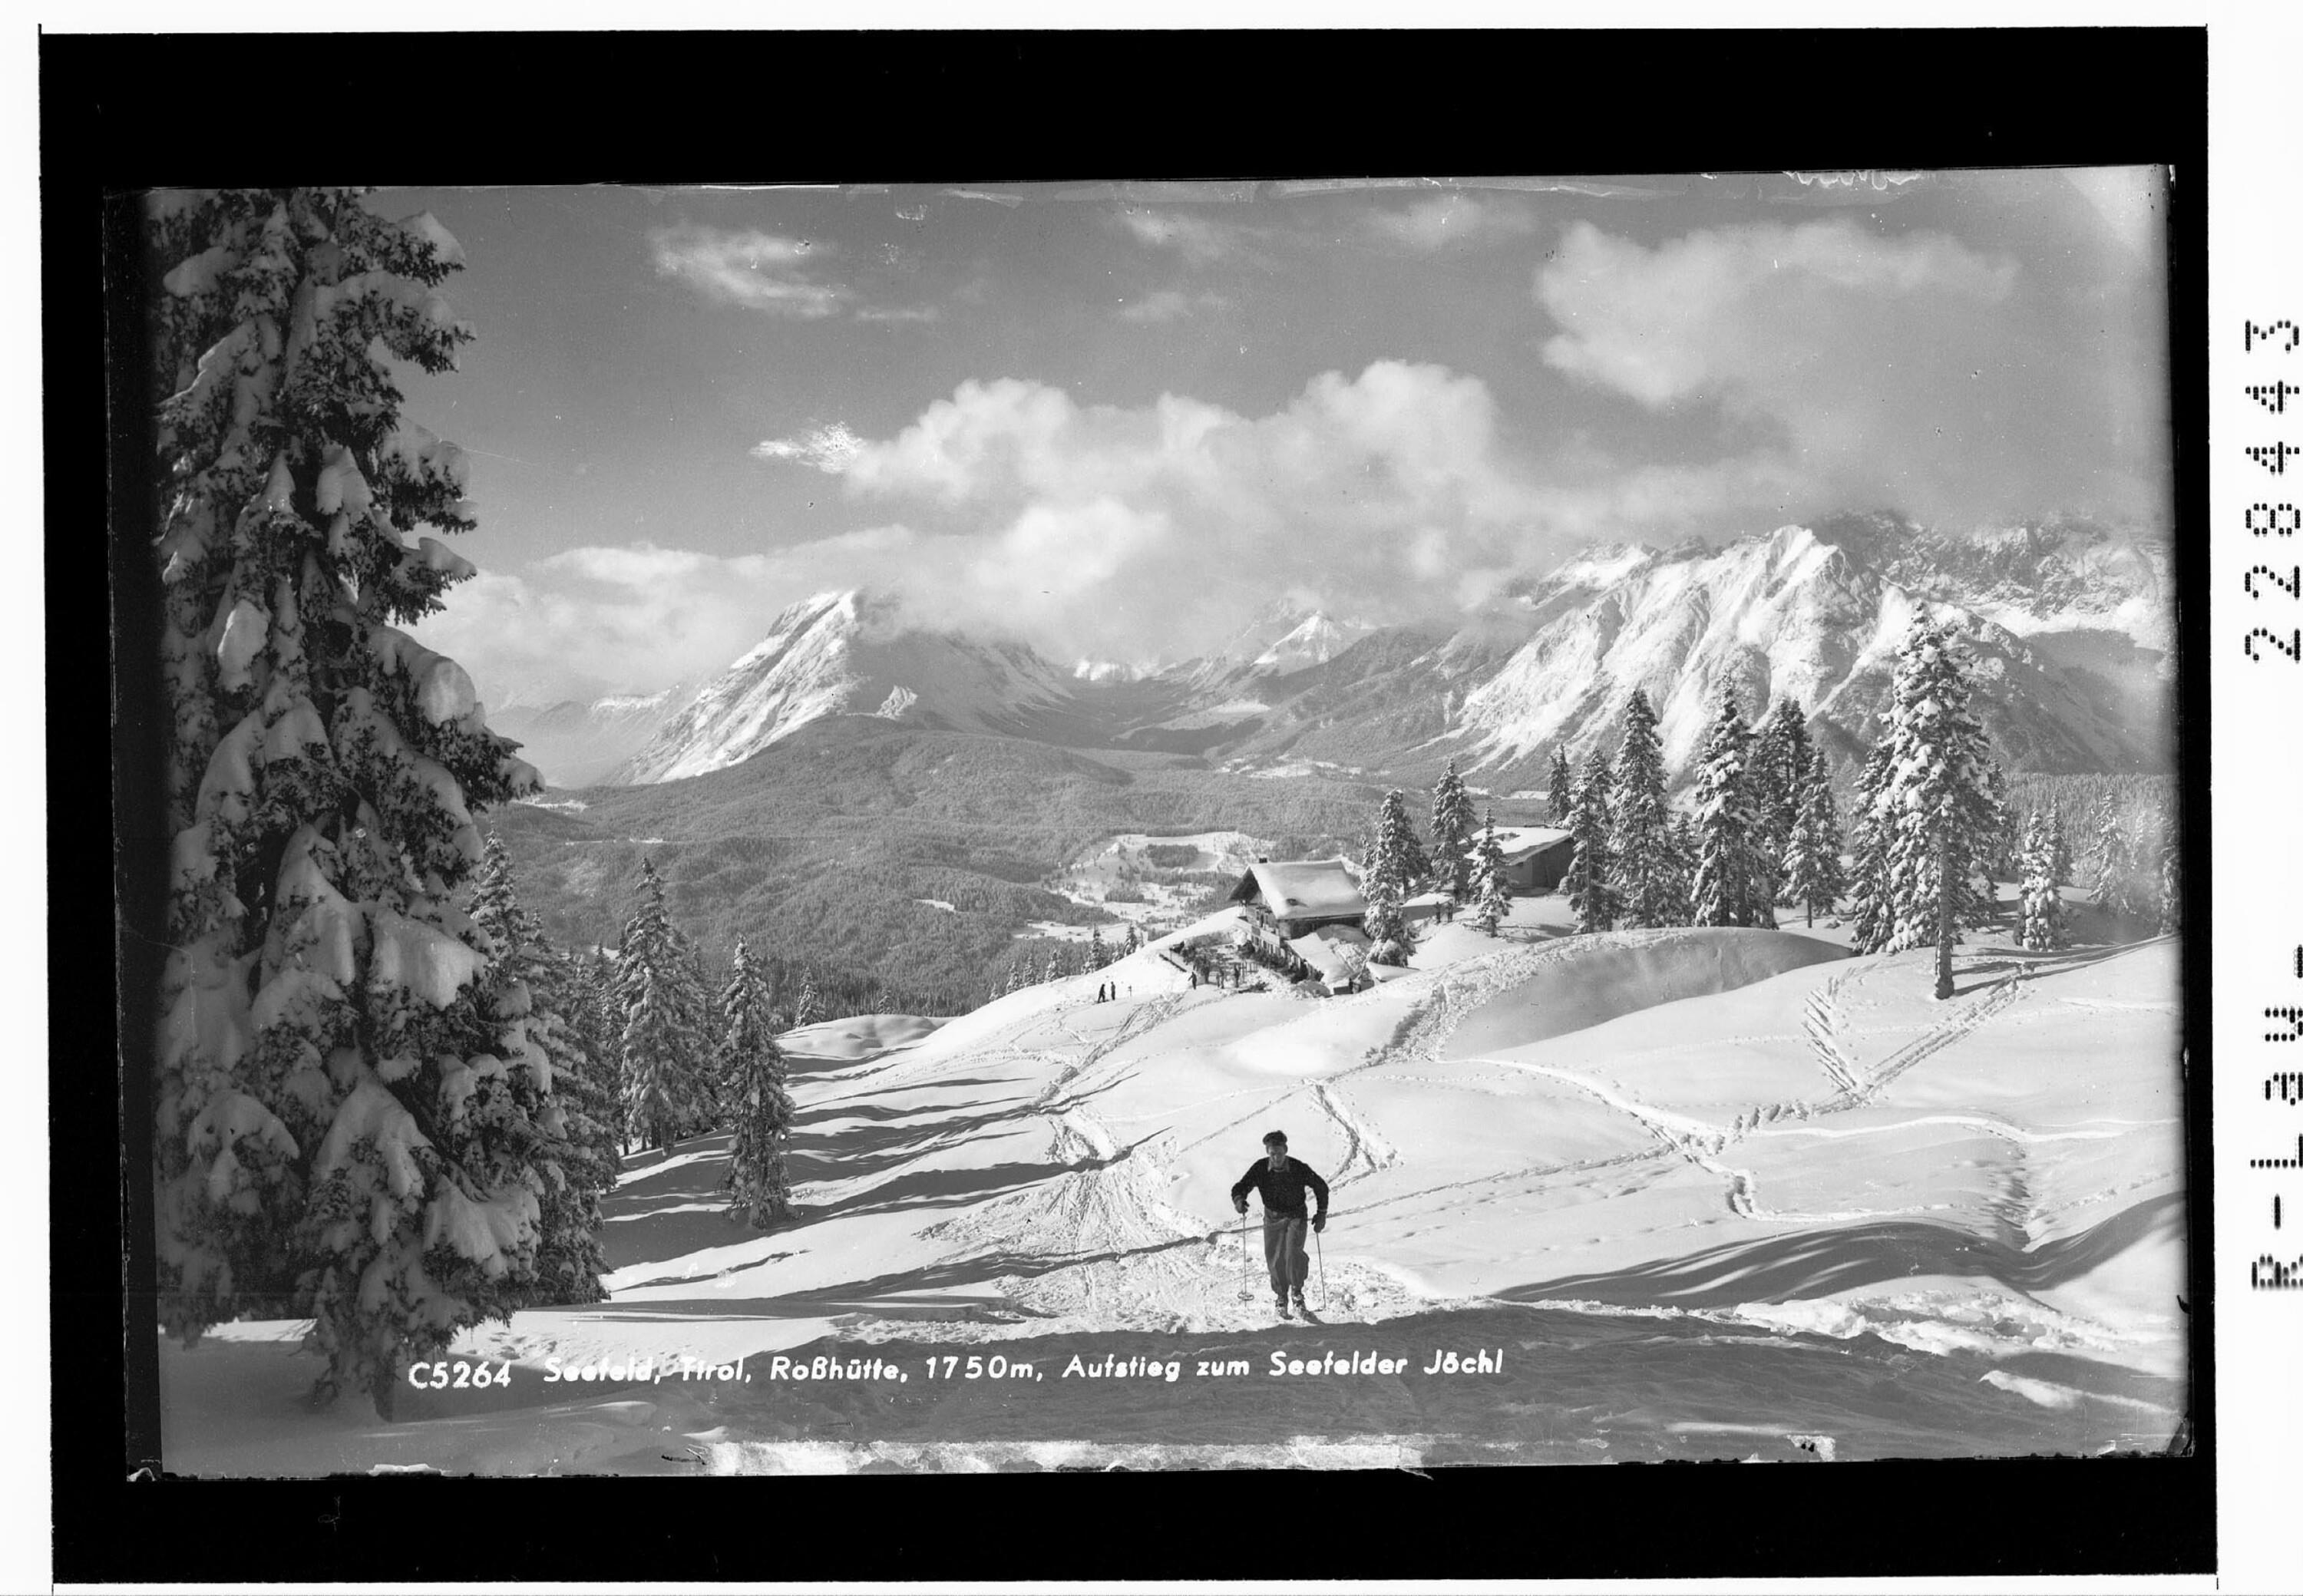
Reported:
(1154, 530)
(828, 448)
(1010, 510)
(1168, 304)
(1452, 218)
(638, 616)
(899, 313)
(1199, 240)
(760, 271)
(1868, 368)
(1709, 314)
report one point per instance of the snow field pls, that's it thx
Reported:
(1740, 1134)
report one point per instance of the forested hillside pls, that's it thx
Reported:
(835, 850)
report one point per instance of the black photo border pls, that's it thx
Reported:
(122, 113)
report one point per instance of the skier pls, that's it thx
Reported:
(1281, 1180)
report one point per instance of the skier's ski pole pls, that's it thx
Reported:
(1323, 1271)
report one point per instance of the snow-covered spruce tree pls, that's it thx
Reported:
(1940, 806)
(1814, 877)
(1393, 846)
(1872, 909)
(1763, 801)
(2043, 928)
(1638, 840)
(2059, 844)
(581, 1118)
(1493, 896)
(346, 1125)
(1391, 939)
(582, 991)
(1562, 789)
(2116, 868)
(708, 1112)
(752, 1073)
(592, 982)
(806, 1006)
(1096, 956)
(1451, 834)
(1723, 822)
(2104, 841)
(1778, 775)
(1682, 848)
(1590, 880)
(1394, 862)
(667, 1047)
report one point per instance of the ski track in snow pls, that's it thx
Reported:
(1703, 1142)
(1100, 1247)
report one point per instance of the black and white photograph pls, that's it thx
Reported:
(1336, 824)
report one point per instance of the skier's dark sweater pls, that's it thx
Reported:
(1282, 1192)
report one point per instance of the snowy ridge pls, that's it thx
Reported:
(848, 653)
(1314, 642)
(1786, 614)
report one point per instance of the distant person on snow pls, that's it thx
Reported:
(1281, 1180)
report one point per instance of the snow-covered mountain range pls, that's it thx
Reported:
(2070, 624)
(849, 654)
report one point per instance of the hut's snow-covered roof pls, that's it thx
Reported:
(1322, 948)
(1301, 889)
(1518, 841)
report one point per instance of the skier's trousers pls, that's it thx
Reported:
(1283, 1252)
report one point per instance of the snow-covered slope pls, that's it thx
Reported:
(849, 654)
(1705, 1194)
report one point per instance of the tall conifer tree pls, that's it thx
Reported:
(2043, 927)
(580, 1120)
(1811, 858)
(348, 1126)
(1492, 904)
(1723, 820)
(2059, 845)
(666, 1033)
(1874, 904)
(1451, 835)
(753, 1068)
(1563, 788)
(1940, 805)
(1590, 872)
(1638, 840)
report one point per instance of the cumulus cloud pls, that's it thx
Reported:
(760, 271)
(829, 448)
(1168, 304)
(1885, 368)
(1706, 314)
(1451, 218)
(638, 616)
(1198, 239)
(1152, 531)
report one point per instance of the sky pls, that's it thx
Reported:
(1117, 421)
